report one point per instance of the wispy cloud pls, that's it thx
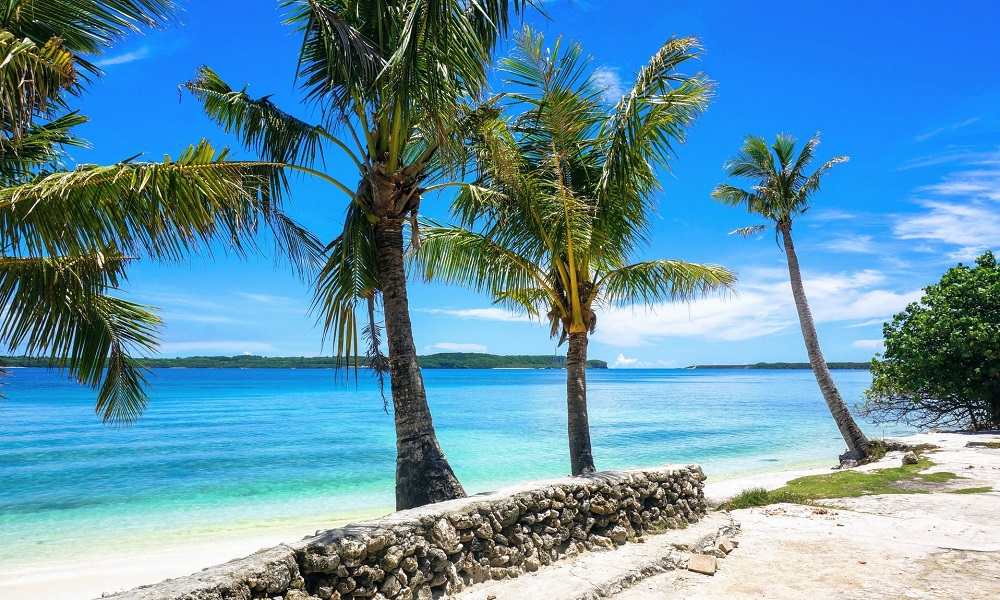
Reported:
(926, 136)
(763, 307)
(122, 59)
(609, 79)
(965, 156)
(485, 314)
(169, 316)
(876, 345)
(832, 215)
(266, 298)
(859, 244)
(961, 211)
(457, 347)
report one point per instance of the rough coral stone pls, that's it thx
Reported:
(445, 535)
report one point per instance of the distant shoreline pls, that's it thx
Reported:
(851, 366)
(448, 360)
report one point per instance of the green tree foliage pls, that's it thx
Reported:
(941, 365)
(68, 235)
(563, 196)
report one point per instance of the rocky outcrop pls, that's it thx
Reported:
(439, 549)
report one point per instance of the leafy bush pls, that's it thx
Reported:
(941, 365)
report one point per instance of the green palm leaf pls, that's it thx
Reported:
(85, 27)
(161, 210)
(59, 307)
(663, 281)
(33, 77)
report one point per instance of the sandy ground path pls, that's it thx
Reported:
(936, 545)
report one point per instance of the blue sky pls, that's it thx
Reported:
(909, 90)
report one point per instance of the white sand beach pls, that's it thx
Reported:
(917, 546)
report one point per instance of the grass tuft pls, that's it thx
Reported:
(906, 479)
(876, 450)
(973, 490)
(761, 497)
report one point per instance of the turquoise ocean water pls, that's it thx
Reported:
(219, 450)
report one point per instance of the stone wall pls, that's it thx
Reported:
(438, 549)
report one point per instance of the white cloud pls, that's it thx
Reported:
(223, 347)
(962, 155)
(859, 244)
(485, 314)
(608, 79)
(122, 59)
(624, 363)
(634, 363)
(962, 211)
(876, 345)
(202, 318)
(831, 215)
(763, 306)
(952, 127)
(455, 347)
(266, 298)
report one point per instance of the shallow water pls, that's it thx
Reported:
(224, 450)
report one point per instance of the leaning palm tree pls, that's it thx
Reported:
(393, 79)
(563, 197)
(781, 192)
(68, 235)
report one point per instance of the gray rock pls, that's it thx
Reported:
(910, 458)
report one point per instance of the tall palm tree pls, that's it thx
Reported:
(563, 197)
(393, 79)
(781, 191)
(67, 236)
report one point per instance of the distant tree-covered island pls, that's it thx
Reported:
(855, 366)
(449, 360)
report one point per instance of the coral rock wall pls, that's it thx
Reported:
(435, 550)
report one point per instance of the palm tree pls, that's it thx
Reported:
(392, 79)
(563, 197)
(781, 190)
(68, 235)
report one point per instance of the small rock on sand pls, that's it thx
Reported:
(702, 563)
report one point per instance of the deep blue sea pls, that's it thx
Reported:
(224, 449)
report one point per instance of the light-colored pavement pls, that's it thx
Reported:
(938, 545)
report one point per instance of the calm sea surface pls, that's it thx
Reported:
(219, 449)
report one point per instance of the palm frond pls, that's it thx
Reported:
(753, 161)
(461, 257)
(350, 274)
(59, 307)
(663, 280)
(85, 27)
(33, 77)
(162, 210)
(752, 231)
(39, 147)
(338, 58)
(273, 134)
(733, 196)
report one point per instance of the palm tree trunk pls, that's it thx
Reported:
(423, 474)
(580, 455)
(857, 443)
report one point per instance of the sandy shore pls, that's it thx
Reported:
(124, 564)
(931, 546)
(786, 551)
